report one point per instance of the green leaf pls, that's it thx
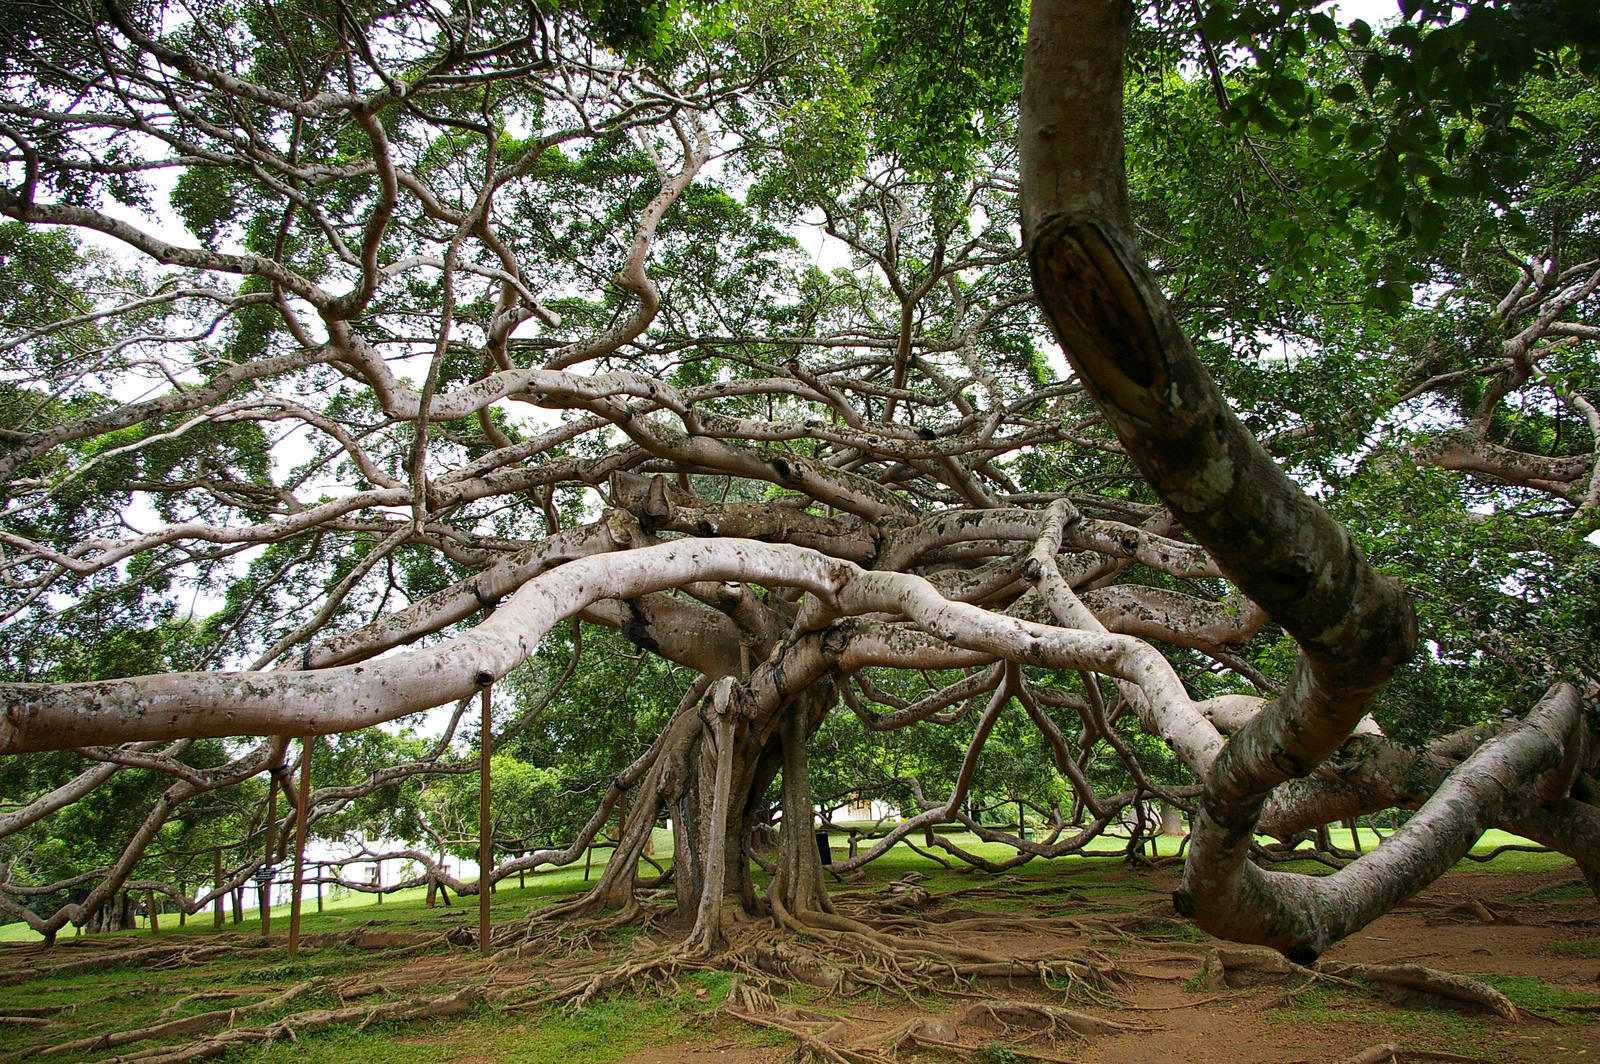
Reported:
(1371, 71)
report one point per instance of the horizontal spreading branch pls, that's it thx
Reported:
(291, 703)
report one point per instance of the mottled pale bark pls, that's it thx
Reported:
(1353, 626)
(55, 716)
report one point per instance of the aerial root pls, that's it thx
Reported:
(1240, 966)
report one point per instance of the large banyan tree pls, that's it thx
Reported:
(356, 354)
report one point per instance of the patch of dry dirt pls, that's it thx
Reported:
(1275, 1023)
(1495, 926)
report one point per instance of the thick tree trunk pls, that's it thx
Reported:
(716, 877)
(712, 768)
(798, 888)
(706, 763)
(1353, 626)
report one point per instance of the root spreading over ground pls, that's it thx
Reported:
(1091, 967)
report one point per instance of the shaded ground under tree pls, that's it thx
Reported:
(1128, 981)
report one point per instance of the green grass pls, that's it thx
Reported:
(352, 909)
(1532, 993)
(122, 997)
(1577, 947)
(1327, 1007)
(997, 1052)
(1092, 874)
(606, 1030)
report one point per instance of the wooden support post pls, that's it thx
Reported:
(183, 903)
(265, 889)
(301, 808)
(485, 831)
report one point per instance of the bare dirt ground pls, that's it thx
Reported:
(1536, 937)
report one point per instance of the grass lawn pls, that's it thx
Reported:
(349, 908)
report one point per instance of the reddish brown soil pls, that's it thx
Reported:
(1537, 935)
(1278, 1023)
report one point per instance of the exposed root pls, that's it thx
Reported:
(155, 958)
(1473, 909)
(1387, 1053)
(200, 995)
(819, 1034)
(292, 1026)
(830, 951)
(1043, 1021)
(1034, 1029)
(581, 991)
(1241, 966)
(1232, 967)
(548, 931)
(1380, 1054)
(1413, 982)
(38, 1012)
(186, 1025)
(905, 894)
(366, 938)
(936, 1032)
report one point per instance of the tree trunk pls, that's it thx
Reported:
(712, 769)
(1286, 553)
(798, 888)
